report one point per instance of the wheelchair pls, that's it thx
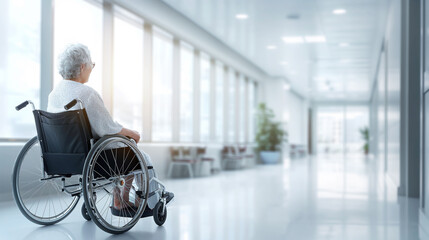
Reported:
(64, 162)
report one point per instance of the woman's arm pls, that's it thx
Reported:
(130, 133)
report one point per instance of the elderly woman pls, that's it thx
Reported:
(75, 66)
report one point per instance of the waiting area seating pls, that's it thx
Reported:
(297, 150)
(200, 161)
(236, 157)
(193, 158)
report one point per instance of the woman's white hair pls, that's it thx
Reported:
(70, 60)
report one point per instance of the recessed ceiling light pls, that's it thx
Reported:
(284, 63)
(271, 47)
(241, 16)
(315, 39)
(293, 39)
(339, 11)
(344, 44)
(293, 16)
(286, 86)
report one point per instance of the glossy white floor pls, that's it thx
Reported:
(331, 197)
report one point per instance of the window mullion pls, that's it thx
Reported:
(175, 117)
(197, 90)
(226, 104)
(212, 99)
(246, 109)
(147, 82)
(46, 52)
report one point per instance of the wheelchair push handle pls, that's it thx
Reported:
(24, 104)
(72, 103)
(21, 106)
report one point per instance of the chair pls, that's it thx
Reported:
(249, 157)
(231, 156)
(204, 163)
(181, 157)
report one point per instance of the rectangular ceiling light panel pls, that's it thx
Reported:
(315, 39)
(295, 39)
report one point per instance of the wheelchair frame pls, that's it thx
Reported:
(87, 185)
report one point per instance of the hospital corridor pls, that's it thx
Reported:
(214, 119)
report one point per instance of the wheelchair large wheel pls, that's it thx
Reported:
(113, 167)
(39, 197)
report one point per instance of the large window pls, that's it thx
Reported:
(231, 107)
(205, 98)
(330, 130)
(162, 86)
(79, 21)
(338, 129)
(19, 65)
(357, 118)
(186, 92)
(128, 72)
(219, 102)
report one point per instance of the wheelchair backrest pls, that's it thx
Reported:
(65, 140)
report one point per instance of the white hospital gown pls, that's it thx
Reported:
(99, 118)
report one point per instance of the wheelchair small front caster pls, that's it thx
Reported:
(160, 213)
(85, 213)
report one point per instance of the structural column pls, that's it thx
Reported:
(411, 97)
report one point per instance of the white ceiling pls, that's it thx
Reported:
(320, 71)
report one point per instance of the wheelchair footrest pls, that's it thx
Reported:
(140, 194)
(130, 212)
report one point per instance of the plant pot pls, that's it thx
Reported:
(270, 157)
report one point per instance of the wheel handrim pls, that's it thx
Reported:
(99, 193)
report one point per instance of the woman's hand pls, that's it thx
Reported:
(136, 136)
(130, 133)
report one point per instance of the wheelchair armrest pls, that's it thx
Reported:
(118, 135)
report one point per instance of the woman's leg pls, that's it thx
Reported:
(121, 199)
(127, 188)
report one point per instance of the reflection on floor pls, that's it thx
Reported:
(331, 197)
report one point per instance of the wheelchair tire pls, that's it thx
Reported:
(158, 216)
(85, 213)
(104, 178)
(39, 198)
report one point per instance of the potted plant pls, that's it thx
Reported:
(365, 136)
(269, 135)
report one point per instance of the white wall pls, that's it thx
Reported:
(393, 65)
(159, 154)
(387, 100)
(297, 118)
